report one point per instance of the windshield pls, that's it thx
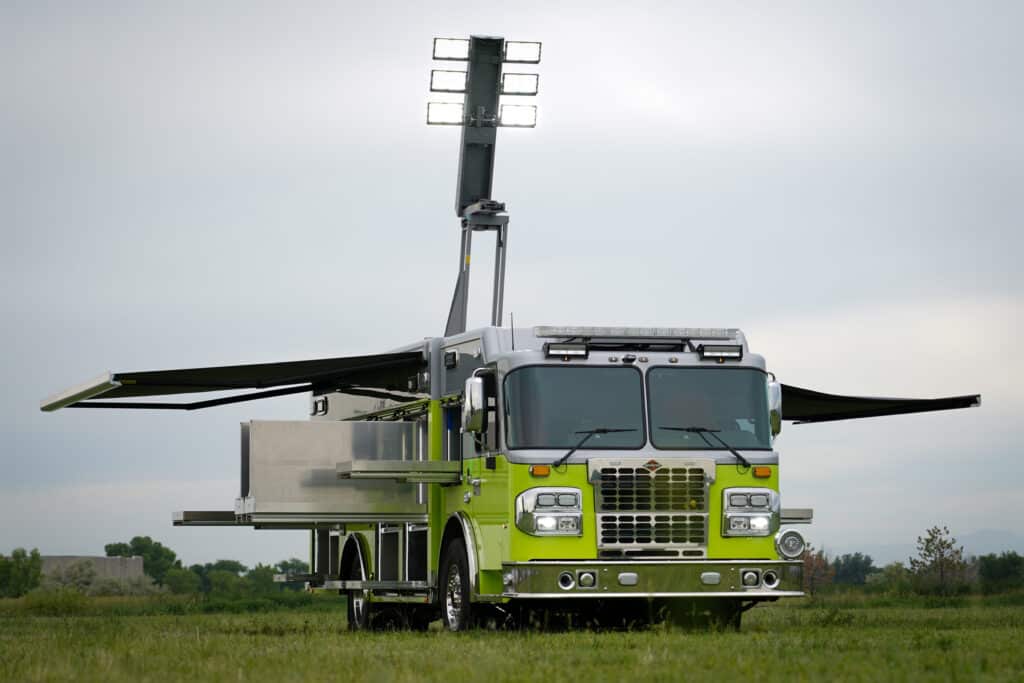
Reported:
(731, 402)
(550, 407)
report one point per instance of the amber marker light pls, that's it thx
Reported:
(762, 472)
(540, 470)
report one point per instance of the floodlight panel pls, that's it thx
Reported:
(519, 84)
(451, 48)
(445, 113)
(442, 80)
(518, 115)
(522, 52)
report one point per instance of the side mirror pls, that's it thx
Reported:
(775, 407)
(474, 406)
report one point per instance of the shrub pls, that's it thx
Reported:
(58, 602)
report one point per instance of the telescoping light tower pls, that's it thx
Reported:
(480, 110)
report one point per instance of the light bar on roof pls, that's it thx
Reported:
(519, 84)
(644, 332)
(442, 80)
(451, 48)
(522, 52)
(445, 113)
(720, 352)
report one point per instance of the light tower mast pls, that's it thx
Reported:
(480, 113)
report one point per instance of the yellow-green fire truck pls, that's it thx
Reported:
(611, 476)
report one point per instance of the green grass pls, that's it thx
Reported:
(783, 642)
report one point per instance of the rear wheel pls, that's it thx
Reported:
(454, 579)
(359, 605)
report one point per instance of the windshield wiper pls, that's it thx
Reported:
(713, 432)
(589, 433)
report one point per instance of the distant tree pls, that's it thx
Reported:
(853, 570)
(233, 566)
(225, 584)
(939, 566)
(179, 580)
(293, 566)
(156, 557)
(260, 580)
(1003, 572)
(818, 570)
(20, 573)
(893, 578)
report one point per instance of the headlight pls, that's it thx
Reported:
(550, 511)
(749, 512)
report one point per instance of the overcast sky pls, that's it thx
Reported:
(206, 183)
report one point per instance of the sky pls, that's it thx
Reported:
(192, 184)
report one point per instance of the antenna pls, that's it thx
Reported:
(480, 112)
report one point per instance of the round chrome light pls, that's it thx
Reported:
(771, 579)
(566, 581)
(750, 578)
(790, 544)
(587, 579)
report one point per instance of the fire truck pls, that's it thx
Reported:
(607, 476)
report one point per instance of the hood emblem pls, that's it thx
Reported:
(652, 465)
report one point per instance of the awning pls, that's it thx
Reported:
(366, 375)
(804, 405)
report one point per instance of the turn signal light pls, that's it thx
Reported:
(762, 472)
(540, 470)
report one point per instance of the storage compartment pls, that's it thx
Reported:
(290, 471)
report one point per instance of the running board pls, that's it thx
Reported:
(350, 585)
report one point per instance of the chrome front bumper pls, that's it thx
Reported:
(688, 579)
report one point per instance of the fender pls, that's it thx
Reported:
(466, 526)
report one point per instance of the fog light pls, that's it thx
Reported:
(587, 579)
(790, 544)
(750, 578)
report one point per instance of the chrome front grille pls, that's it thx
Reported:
(645, 507)
(651, 530)
(666, 489)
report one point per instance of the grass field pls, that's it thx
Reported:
(790, 642)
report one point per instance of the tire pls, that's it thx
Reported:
(360, 608)
(454, 588)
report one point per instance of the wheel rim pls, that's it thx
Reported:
(358, 601)
(453, 598)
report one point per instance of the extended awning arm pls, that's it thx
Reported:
(379, 375)
(804, 405)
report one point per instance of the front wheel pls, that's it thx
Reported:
(454, 579)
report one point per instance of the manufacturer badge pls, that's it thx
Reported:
(652, 465)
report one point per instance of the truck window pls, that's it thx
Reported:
(732, 401)
(553, 407)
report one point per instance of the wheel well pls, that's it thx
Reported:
(452, 530)
(353, 552)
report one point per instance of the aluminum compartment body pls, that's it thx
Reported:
(290, 471)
